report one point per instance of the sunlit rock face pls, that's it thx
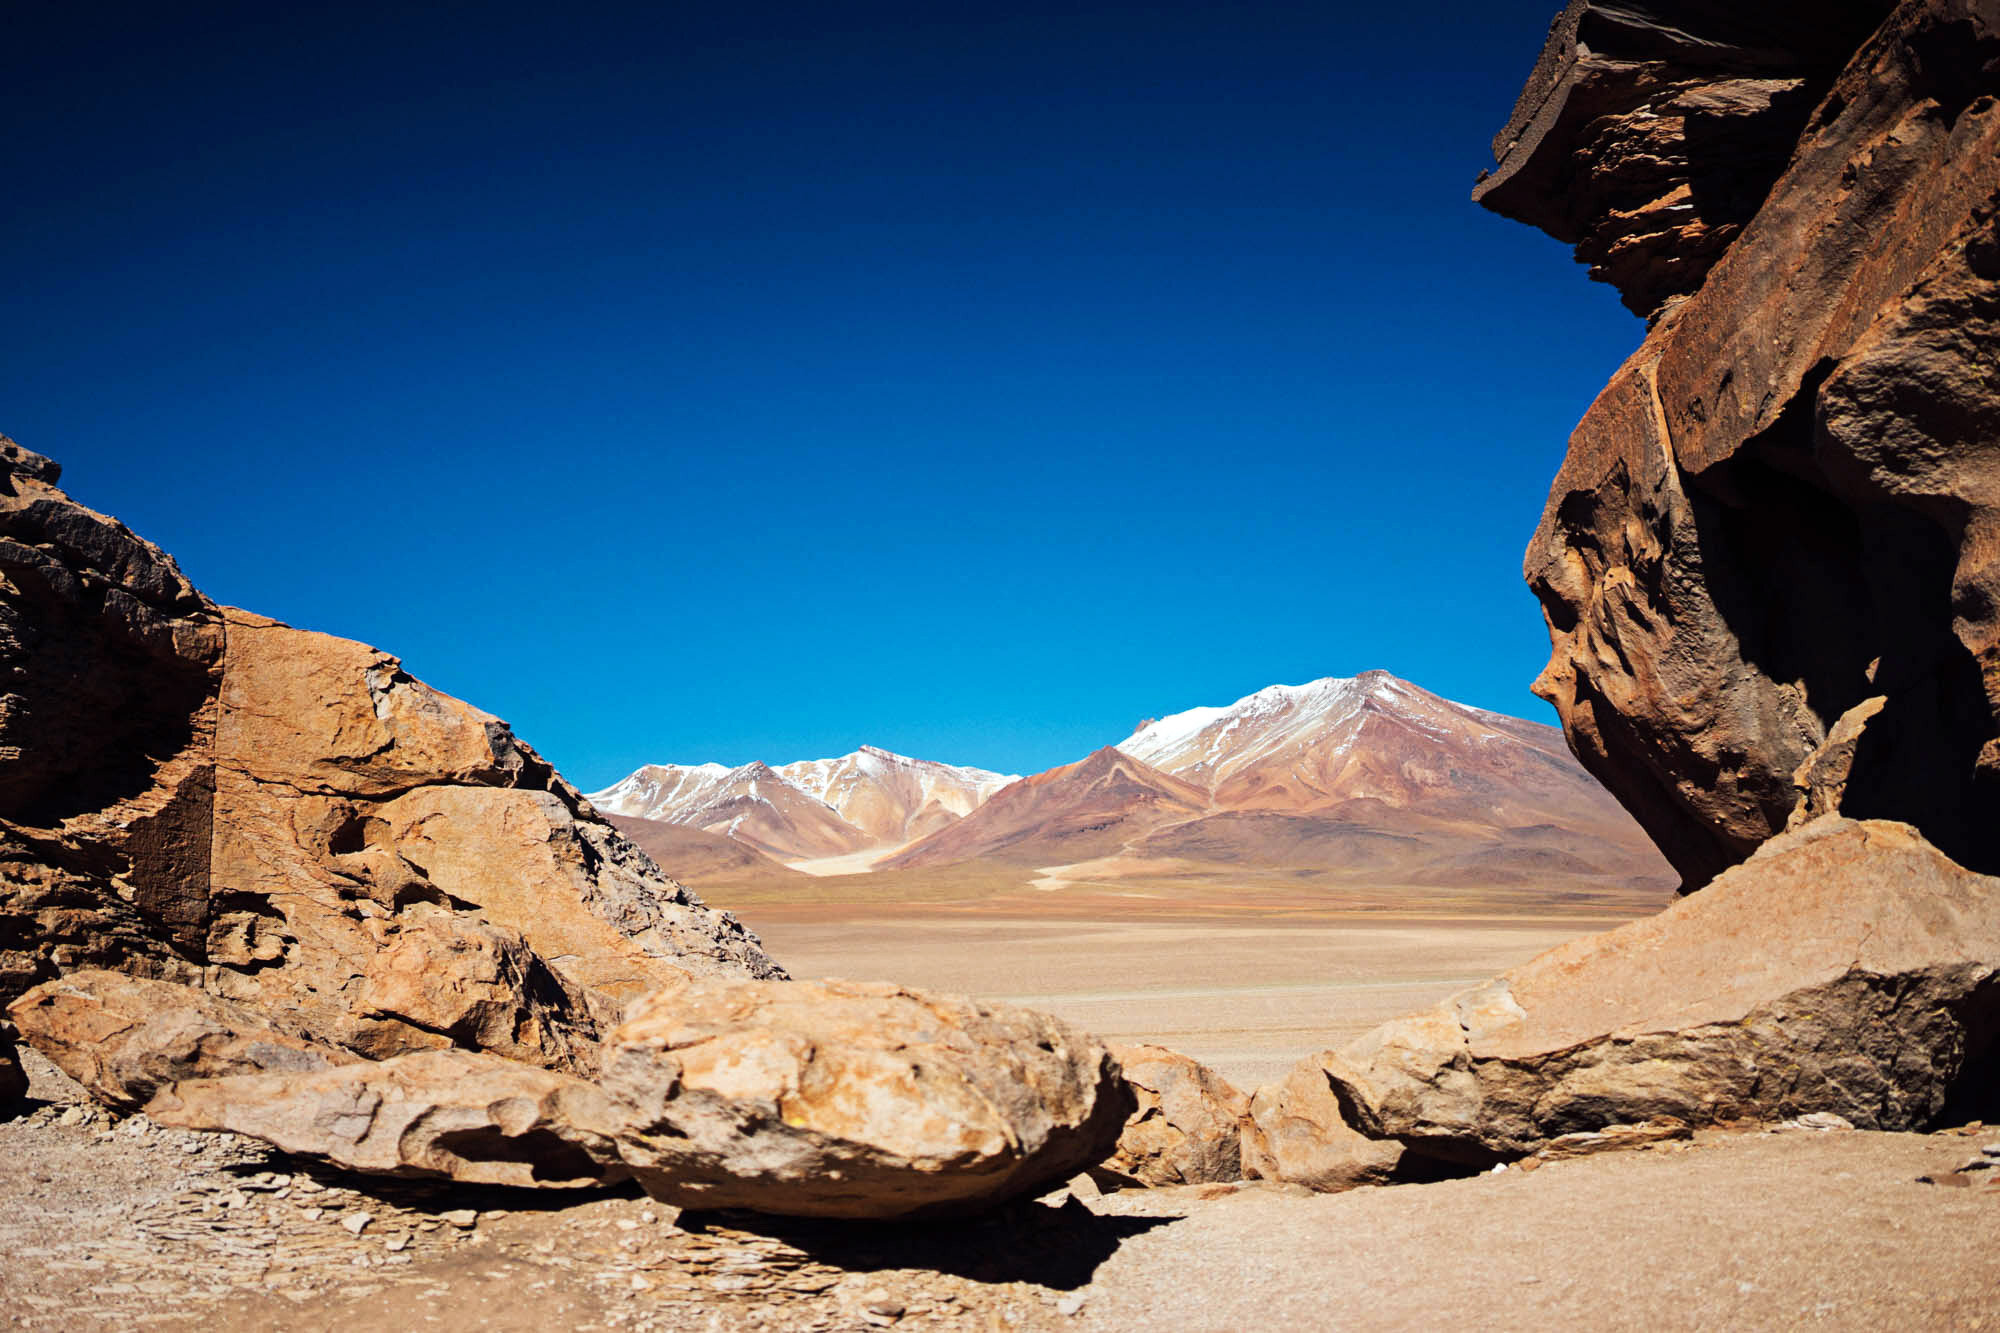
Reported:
(1768, 563)
(289, 820)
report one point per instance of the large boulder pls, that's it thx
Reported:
(123, 1038)
(1768, 564)
(1847, 967)
(1188, 1128)
(847, 1099)
(292, 822)
(459, 1115)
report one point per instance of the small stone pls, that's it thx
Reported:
(311, 1214)
(357, 1222)
(1071, 1304)
(877, 1300)
(395, 1243)
(1991, 1149)
(627, 1224)
(462, 1218)
(75, 1115)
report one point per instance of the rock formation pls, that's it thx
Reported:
(290, 821)
(124, 1038)
(1768, 564)
(1651, 130)
(1188, 1128)
(845, 1099)
(1848, 968)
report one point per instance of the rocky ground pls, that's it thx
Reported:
(121, 1224)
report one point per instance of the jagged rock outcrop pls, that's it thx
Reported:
(1188, 1128)
(1770, 564)
(1651, 130)
(1847, 967)
(290, 821)
(460, 1115)
(124, 1038)
(850, 1099)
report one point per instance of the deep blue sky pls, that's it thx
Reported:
(725, 382)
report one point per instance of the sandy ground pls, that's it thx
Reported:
(1248, 997)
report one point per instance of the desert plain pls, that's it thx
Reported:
(1245, 987)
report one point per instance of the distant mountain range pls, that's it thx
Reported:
(1369, 776)
(814, 808)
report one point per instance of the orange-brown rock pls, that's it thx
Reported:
(124, 1038)
(290, 821)
(1770, 564)
(1298, 1135)
(1188, 1128)
(462, 1115)
(1848, 967)
(847, 1099)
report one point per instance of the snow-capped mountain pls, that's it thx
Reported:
(1368, 779)
(657, 790)
(811, 808)
(1372, 737)
(892, 797)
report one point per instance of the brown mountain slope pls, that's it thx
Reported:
(1376, 774)
(698, 857)
(1074, 813)
(758, 808)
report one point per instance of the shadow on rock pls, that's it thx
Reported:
(431, 1195)
(1059, 1248)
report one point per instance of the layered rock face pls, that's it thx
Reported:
(1769, 563)
(290, 821)
(1650, 132)
(1847, 967)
